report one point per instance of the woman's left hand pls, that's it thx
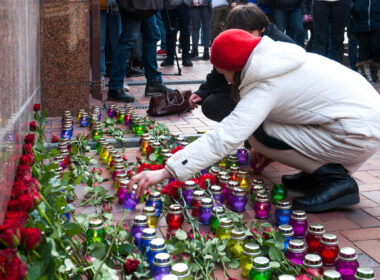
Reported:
(146, 179)
(259, 161)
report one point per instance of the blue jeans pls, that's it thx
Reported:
(130, 32)
(161, 26)
(109, 22)
(103, 35)
(292, 23)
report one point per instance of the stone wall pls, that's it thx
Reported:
(19, 83)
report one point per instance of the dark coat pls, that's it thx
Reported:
(216, 83)
(366, 15)
(288, 5)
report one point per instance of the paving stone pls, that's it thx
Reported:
(340, 224)
(362, 219)
(362, 234)
(369, 187)
(374, 195)
(374, 211)
(367, 203)
(366, 177)
(366, 261)
(370, 247)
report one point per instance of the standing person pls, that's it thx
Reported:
(215, 93)
(366, 25)
(161, 26)
(200, 12)
(132, 25)
(333, 15)
(327, 129)
(266, 6)
(288, 17)
(181, 16)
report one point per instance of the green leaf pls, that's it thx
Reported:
(54, 152)
(221, 248)
(234, 264)
(181, 235)
(266, 225)
(152, 157)
(126, 249)
(72, 229)
(208, 257)
(77, 180)
(275, 264)
(275, 254)
(98, 250)
(34, 271)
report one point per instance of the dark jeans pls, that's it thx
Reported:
(181, 16)
(131, 29)
(330, 13)
(369, 46)
(219, 105)
(200, 15)
(291, 22)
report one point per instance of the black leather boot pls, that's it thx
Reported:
(186, 61)
(194, 53)
(133, 72)
(301, 181)
(167, 62)
(154, 88)
(206, 54)
(334, 188)
(120, 95)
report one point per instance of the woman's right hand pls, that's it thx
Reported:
(146, 179)
(193, 99)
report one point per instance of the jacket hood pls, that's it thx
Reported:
(268, 60)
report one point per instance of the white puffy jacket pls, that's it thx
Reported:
(317, 106)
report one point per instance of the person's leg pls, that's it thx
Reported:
(364, 59)
(216, 18)
(218, 106)
(169, 18)
(206, 21)
(296, 29)
(352, 47)
(280, 19)
(103, 36)
(183, 24)
(321, 15)
(113, 30)
(161, 26)
(195, 15)
(340, 12)
(130, 32)
(374, 44)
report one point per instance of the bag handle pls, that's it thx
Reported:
(171, 103)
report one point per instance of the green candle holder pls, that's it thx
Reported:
(278, 193)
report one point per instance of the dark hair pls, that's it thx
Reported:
(247, 17)
(235, 87)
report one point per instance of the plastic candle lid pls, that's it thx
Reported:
(329, 239)
(233, 158)
(284, 205)
(189, 185)
(206, 202)
(260, 263)
(331, 275)
(313, 261)
(180, 269)
(95, 223)
(233, 184)
(170, 277)
(286, 230)
(258, 181)
(157, 244)
(258, 188)
(316, 228)
(224, 174)
(365, 273)
(251, 249)
(238, 191)
(225, 223)
(297, 246)
(298, 215)
(140, 220)
(154, 196)
(175, 209)
(215, 189)
(149, 211)
(124, 183)
(242, 173)
(347, 254)
(218, 210)
(199, 194)
(149, 233)
(262, 197)
(238, 234)
(286, 277)
(162, 259)
(234, 168)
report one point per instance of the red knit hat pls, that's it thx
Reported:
(232, 48)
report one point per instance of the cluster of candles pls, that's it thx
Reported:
(67, 125)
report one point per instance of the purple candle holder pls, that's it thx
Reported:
(217, 194)
(347, 263)
(188, 191)
(130, 201)
(139, 224)
(204, 212)
(242, 154)
(299, 223)
(296, 251)
(262, 206)
(238, 200)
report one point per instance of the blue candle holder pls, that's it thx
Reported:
(283, 213)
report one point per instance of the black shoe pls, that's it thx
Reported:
(206, 55)
(186, 61)
(334, 188)
(300, 181)
(194, 53)
(154, 88)
(167, 62)
(120, 95)
(133, 72)
(247, 145)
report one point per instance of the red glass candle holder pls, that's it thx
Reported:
(329, 250)
(175, 217)
(314, 237)
(196, 202)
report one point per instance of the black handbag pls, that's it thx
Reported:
(169, 103)
(140, 9)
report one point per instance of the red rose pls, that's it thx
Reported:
(11, 267)
(19, 217)
(27, 149)
(22, 170)
(26, 202)
(302, 277)
(54, 139)
(30, 139)
(130, 266)
(27, 159)
(206, 180)
(31, 237)
(36, 107)
(33, 126)
(107, 208)
(176, 149)
(19, 188)
(11, 237)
